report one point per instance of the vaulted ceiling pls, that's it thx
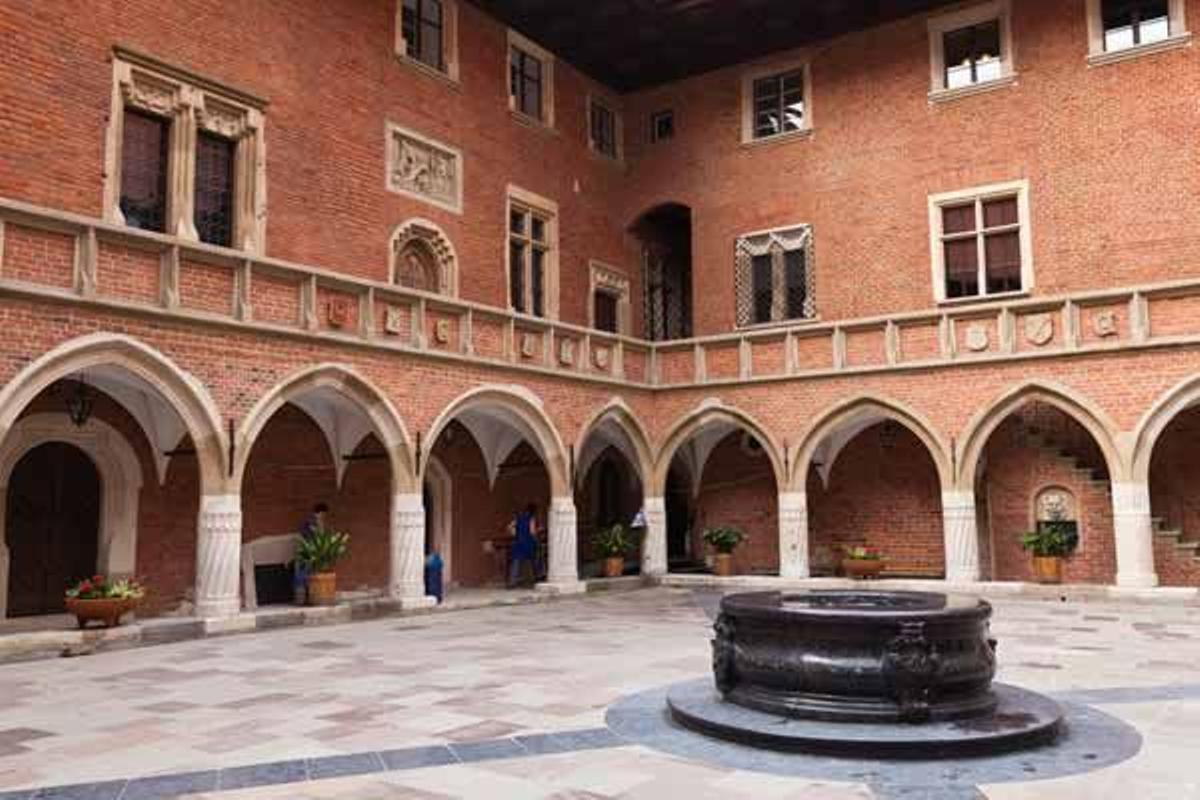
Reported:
(633, 44)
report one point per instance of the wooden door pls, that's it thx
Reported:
(52, 524)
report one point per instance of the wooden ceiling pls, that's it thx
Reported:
(633, 44)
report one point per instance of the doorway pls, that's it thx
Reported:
(665, 235)
(52, 526)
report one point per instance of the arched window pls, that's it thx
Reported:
(423, 258)
(416, 267)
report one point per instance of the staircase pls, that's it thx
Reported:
(1176, 559)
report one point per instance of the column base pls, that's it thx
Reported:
(1142, 580)
(562, 587)
(219, 609)
(962, 577)
(413, 603)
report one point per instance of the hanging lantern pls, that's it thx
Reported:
(80, 402)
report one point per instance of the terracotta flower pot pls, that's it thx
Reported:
(1047, 569)
(614, 566)
(322, 589)
(862, 568)
(108, 610)
(723, 564)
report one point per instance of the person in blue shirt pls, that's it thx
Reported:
(525, 545)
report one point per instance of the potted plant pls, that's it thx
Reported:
(613, 543)
(98, 598)
(1053, 540)
(317, 553)
(723, 540)
(860, 561)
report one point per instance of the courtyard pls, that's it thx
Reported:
(558, 700)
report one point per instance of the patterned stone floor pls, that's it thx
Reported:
(511, 702)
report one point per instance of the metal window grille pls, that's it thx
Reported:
(668, 296)
(774, 276)
(214, 189)
(144, 158)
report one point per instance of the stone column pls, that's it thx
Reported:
(407, 583)
(1134, 535)
(563, 574)
(793, 535)
(654, 546)
(218, 556)
(961, 537)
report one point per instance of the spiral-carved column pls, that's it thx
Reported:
(407, 584)
(961, 537)
(793, 535)
(218, 556)
(654, 547)
(563, 573)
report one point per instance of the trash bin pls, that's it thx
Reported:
(433, 576)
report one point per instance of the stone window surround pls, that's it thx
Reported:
(942, 24)
(938, 201)
(449, 43)
(547, 58)
(192, 103)
(615, 281)
(439, 245)
(742, 278)
(393, 134)
(515, 195)
(606, 102)
(765, 70)
(1098, 56)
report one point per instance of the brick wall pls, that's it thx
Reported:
(738, 490)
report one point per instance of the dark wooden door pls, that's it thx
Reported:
(53, 517)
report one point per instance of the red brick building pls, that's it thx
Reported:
(918, 277)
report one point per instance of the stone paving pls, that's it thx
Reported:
(512, 703)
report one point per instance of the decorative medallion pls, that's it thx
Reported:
(977, 337)
(601, 357)
(1105, 324)
(1039, 329)
(566, 351)
(528, 345)
(441, 331)
(337, 312)
(393, 321)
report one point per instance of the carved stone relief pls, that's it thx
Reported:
(977, 337)
(393, 321)
(424, 169)
(1105, 324)
(1039, 329)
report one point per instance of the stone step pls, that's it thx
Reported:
(1186, 546)
(1168, 533)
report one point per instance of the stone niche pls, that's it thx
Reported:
(424, 169)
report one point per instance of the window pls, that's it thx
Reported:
(422, 257)
(776, 102)
(144, 170)
(779, 104)
(970, 50)
(183, 155)
(423, 28)
(981, 242)
(605, 312)
(610, 291)
(662, 126)
(1119, 29)
(530, 80)
(532, 261)
(774, 279)
(1129, 23)
(605, 129)
(214, 189)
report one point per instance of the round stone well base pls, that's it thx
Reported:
(1022, 719)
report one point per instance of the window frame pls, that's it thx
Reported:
(774, 70)
(1178, 35)
(744, 276)
(595, 102)
(942, 24)
(450, 62)
(546, 91)
(979, 195)
(613, 281)
(528, 202)
(655, 118)
(192, 104)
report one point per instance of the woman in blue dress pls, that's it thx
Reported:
(525, 545)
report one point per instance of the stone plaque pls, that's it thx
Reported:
(441, 331)
(422, 168)
(977, 337)
(1039, 329)
(529, 343)
(1105, 324)
(601, 357)
(338, 312)
(566, 352)
(393, 321)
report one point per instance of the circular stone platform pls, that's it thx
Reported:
(1021, 719)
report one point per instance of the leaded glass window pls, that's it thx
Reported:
(774, 276)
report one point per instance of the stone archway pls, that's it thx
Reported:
(422, 257)
(120, 484)
(440, 486)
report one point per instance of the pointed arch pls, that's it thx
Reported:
(427, 238)
(618, 413)
(342, 384)
(708, 414)
(128, 357)
(855, 415)
(521, 410)
(1150, 427)
(1069, 401)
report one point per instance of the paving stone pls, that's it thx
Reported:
(168, 786)
(341, 766)
(418, 757)
(278, 772)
